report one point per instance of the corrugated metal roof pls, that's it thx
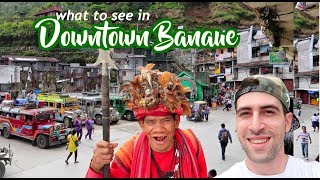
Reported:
(123, 67)
(30, 58)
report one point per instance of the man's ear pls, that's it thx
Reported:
(176, 120)
(288, 117)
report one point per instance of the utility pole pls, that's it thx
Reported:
(194, 72)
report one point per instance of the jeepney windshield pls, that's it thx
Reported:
(44, 117)
(98, 104)
(70, 104)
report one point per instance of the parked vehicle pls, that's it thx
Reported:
(197, 111)
(118, 103)
(6, 155)
(35, 124)
(67, 107)
(91, 103)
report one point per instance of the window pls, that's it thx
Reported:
(16, 116)
(51, 104)
(267, 70)
(315, 61)
(124, 73)
(28, 118)
(59, 105)
(314, 79)
(254, 71)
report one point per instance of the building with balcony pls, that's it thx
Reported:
(35, 72)
(307, 76)
(254, 58)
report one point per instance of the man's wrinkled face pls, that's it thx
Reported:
(160, 131)
(261, 126)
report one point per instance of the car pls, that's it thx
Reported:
(91, 103)
(5, 158)
(34, 123)
(119, 103)
(66, 106)
(197, 110)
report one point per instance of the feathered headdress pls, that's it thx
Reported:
(155, 93)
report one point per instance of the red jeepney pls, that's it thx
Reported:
(36, 124)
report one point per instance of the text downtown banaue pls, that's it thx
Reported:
(161, 36)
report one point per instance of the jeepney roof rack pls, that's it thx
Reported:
(64, 95)
(93, 94)
(31, 105)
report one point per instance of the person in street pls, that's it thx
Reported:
(263, 118)
(224, 136)
(305, 137)
(225, 102)
(207, 112)
(72, 146)
(31, 97)
(78, 127)
(15, 101)
(315, 121)
(89, 126)
(161, 149)
(212, 173)
(299, 113)
(229, 104)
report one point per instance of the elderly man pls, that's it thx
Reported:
(161, 149)
(262, 120)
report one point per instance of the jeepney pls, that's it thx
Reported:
(120, 104)
(36, 124)
(67, 108)
(91, 103)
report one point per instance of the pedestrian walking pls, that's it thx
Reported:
(78, 127)
(224, 136)
(229, 104)
(73, 143)
(207, 112)
(89, 127)
(263, 118)
(299, 113)
(225, 103)
(305, 137)
(315, 121)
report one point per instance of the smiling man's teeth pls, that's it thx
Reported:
(159, 138)
(258, 141)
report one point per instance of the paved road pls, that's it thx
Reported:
(30, 161)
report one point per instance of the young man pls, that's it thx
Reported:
(224, 136)
(305, 136)
(31, 97)
(161, 149)
(315, 121)
(262, 120)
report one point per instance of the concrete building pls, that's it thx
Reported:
(307, 77)
(253, 58)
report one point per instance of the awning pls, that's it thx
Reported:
(215, 75)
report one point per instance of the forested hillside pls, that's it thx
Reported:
(18, 38)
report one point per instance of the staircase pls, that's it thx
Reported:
(179, 68)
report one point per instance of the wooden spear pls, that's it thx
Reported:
(105, 59)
